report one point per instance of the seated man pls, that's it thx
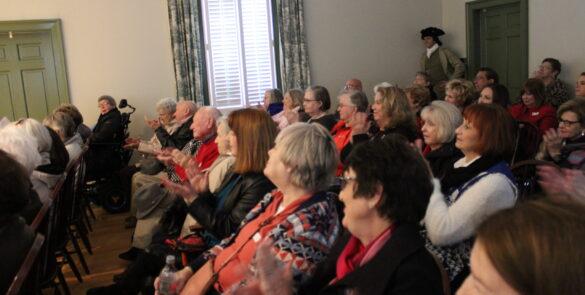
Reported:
(151, 199)
(169, 133)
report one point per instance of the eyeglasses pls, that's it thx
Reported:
(567, 122)
(344, 180)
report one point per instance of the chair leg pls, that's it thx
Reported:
(88, 206)
(62, 282)
(72, 265)
(82, 233)
(78, 251)
(86, 220)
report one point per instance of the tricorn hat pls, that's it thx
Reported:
(431, 32)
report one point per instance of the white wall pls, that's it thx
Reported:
(554, 30)
(116, 47)
(373, 40)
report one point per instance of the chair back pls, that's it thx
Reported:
(527, 178)
(527, 142)
(25, 269)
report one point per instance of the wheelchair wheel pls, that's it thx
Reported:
(114, 198)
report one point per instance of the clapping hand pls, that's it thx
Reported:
(154, 124)
(165, 156)
(553, 142)
(359, 123)
(562, 184)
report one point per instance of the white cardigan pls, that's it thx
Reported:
(448, 225)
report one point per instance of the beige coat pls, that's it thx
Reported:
(447, 58)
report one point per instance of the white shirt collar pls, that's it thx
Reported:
(432, 49)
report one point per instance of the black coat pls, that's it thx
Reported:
(402, 266)
(244, 195)
(106, 138)
(443, 158)
(178, 139)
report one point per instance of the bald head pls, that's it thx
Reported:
(204, 122)
(353, 84)
(185, 109)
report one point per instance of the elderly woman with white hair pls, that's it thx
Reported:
(65, 127)
(298, 219)
(23, 148)
(53, 153)
(440, 119)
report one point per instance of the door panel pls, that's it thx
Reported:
(500, 42)
(29, 84)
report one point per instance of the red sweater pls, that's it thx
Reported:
(341, 136)
(543, 117)
(205, 156)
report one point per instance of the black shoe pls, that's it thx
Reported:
(130, 222)
(105, 290)
(130, 255)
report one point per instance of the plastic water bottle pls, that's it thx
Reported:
(167, 277)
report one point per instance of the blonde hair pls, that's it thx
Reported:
(395, 106)
(446, 116)
(462, 89)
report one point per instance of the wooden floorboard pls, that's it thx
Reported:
(109, 238)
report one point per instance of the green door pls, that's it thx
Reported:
(501, 44)
(31, 71)
(497, 37)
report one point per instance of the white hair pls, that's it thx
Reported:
(382, 85)
(20, 146)
(39, 132)
(167, 105)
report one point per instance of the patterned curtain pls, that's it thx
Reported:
(188, 56)
(294, 66)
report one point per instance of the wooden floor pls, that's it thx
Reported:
(109, 238)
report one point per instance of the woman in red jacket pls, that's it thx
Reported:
(533, 109)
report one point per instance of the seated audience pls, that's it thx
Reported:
(440, 119)
(251, 135)
(298, 219)
(424, 80)
(64, 126)
(108, 134)
(157, 200)
(533, 108)
(74, 113)
(353, 84)
(385, 193)
(495, 93)
(418, 98)
(534, 248)
(555, 91)
(15, 236)
(350, 102)
(392, 113)
(316, 103)
(478, 185)
(292, 104)
(484, 77)
(580, 86)
(566, 146)
(459, 93)
(273, 101)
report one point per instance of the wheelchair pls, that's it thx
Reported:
(107, 189)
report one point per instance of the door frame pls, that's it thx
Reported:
(53, 27)
(472, 11)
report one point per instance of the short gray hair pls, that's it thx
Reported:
(357, 98)
(446, 116)
(20, 146)
(62, 123)
(167, 105)
(310, 152)
(111, 101)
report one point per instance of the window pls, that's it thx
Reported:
(239, 51)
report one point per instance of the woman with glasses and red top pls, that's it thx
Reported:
(565, 146)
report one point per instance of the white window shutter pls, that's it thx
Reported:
(239, 51)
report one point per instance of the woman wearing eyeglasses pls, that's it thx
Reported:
(566, 145)
(316, 104)
(386, 189)
(298, 219)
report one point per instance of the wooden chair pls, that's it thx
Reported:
(527, 179)
(25, 269)
(527, 142)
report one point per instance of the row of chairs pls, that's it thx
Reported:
(63, 220)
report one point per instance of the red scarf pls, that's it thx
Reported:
(355, 254)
